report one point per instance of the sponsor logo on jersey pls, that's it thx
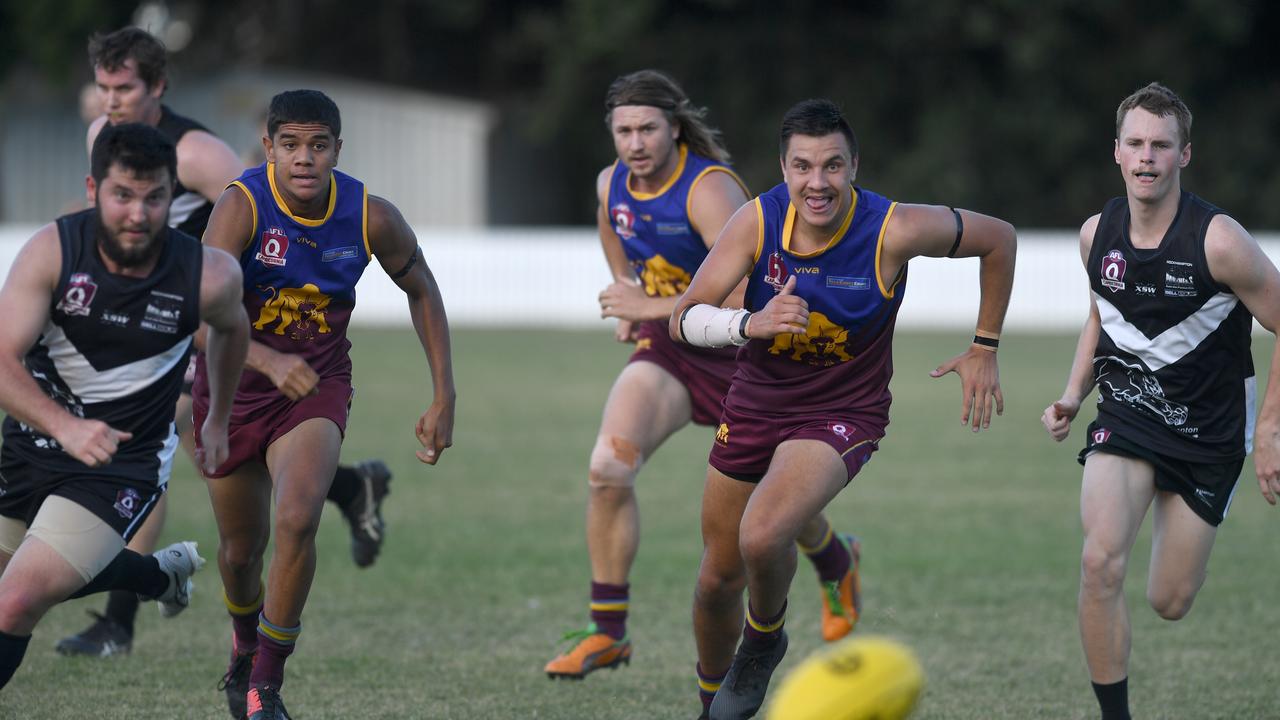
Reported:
(848, 283)
(127, 502)
(1144, 289)
(274, 246)
(813, 270)
(114, 318)
(79, 294)
(1113, 266)
(163, 313)
(343, 253)
(1204, 496)
(1179, 279)
(673, 229)
(776, 272)
(624, 220)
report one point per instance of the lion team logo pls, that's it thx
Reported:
(79, 295)
(776, 274)
(822, 345)
(273, 248)
(299, 310)
(662, 279)
(1113, 266)
(624, 220)
(722, 434)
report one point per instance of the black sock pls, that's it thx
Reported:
(140, 574)
(122, 607)
(1113, 699)
(12, 648)
(345, 487)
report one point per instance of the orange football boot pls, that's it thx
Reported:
(842, 601)
(593, 650)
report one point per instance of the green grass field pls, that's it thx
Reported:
(970, 556)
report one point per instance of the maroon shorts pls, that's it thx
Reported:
(745, 443)
(249, 436)
(705, 372)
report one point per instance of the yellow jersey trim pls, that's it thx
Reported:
(688, 200)
(364, 223)
(886, 293)
(684, 155)
(789, 226)
(759, 231)
(284, 207)
(253, 207)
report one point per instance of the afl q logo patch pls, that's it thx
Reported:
(840, 429)
(1113, 271)
(274, 246)
(624, 221)
(127, 502)
(1101, 436)
(777, 272)
(79, 295)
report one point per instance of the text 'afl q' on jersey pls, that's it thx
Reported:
(1172, 365)
(114, 349)
(660, 241)
(844, 361)
(300, 274)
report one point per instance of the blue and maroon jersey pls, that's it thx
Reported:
(661, 243)
(300, 278)
(844, 361)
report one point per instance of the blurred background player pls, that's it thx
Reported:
(826, 264)
(1176, 284)
(304, 233)
(130, 68)
(102, 305)
(663, 202)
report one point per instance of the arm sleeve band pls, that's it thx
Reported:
(709, 326)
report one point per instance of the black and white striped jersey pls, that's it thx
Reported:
(114, 349)
(1173, 365)
(189, 211)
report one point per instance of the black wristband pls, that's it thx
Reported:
(992, 343)
(742, 329)
(680, 325)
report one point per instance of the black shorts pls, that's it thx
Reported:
(122, 503)
(1207, 488)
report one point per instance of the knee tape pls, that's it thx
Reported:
(614, 462)
(82, 539)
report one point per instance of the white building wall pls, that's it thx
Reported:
(551, 277)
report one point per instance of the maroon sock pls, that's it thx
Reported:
(244, 624)
(831, 558)
(609, 605)
(275, 645)
(708, 684)
(757, 629)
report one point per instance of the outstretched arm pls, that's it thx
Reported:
(1236, 261)
(932, 231)
(394, 244)
(226, 344)
(1058, 416)
(25, 299)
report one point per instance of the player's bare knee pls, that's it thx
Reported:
(763, 545)
(1101, 571)
(20, 609)
(1172, 603)
(615, 461)
(299, 523)
(717, 589)
(241, 557)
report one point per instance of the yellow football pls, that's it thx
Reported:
(861, 678)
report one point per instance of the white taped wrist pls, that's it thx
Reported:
(709, 326)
